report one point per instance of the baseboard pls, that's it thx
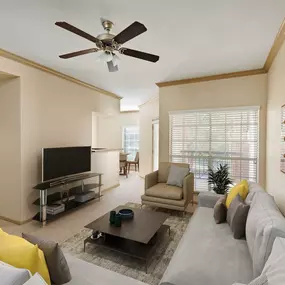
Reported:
(115, 186)
(15, 221)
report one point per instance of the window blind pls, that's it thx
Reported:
(207, 138)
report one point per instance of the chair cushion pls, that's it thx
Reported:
(264, 223)
(163, 170)
(157, 200)
(176, 175)
(163, 190)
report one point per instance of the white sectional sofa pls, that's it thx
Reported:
(208, 253)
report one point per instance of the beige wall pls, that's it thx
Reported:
(110, 128)
(10, 149)
(148, 112)
(109, 131)
(242, 91)
(55, 112)
(275, 179)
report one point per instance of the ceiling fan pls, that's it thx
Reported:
(109, 44)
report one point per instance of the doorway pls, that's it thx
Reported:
(155, 144)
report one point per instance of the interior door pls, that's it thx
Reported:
(155, 144)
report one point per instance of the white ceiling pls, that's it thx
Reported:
(193, 38)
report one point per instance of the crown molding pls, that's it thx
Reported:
(279, 40)
(149, 101)
(30, 63)
(212, 77)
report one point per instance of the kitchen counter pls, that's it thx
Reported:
(106, 161)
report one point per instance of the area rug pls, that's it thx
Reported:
(126, 265)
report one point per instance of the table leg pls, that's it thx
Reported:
(100, 181)
(43, 206)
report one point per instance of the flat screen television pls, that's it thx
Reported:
(64, 161)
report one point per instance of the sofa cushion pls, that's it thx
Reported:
(162, 190)
(239, 189)
(264, 224)
(208, 254)
(252, 189)
(236, 216)
(10, 275)
(36, 280)
(20, 253)
(56, 262)
(220, 211)
(177, 175)
(273, 272)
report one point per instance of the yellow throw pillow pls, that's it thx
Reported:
(241, 189)
(20, 253)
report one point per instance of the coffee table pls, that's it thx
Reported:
(137, 238)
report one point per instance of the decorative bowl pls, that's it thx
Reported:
(126, 214)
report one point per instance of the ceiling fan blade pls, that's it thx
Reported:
(130, 32)
(77, 53)
(112, 67)
(77, 31)
(139, 54)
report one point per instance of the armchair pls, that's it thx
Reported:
(159, 194)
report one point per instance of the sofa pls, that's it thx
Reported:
(207, 252)
(159, 194)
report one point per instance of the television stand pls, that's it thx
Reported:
(44, 200)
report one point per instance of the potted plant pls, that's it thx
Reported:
(219, 180)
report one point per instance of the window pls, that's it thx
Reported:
(207, 138)
(131, 141)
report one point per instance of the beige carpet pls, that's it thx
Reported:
(127, 265)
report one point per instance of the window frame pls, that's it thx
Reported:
(209, 156)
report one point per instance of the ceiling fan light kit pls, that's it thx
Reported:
(109, 44)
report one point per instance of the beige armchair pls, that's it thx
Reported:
(159, 194)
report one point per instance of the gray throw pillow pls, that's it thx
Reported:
(236, 217)
(56, 262)
(220, 211)
(176, 175)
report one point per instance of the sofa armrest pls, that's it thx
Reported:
(188, 187)
(208, 199)
(150, 180)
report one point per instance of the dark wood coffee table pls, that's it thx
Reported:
(137, 237)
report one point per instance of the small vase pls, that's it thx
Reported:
(118, 220)
(112, 218)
